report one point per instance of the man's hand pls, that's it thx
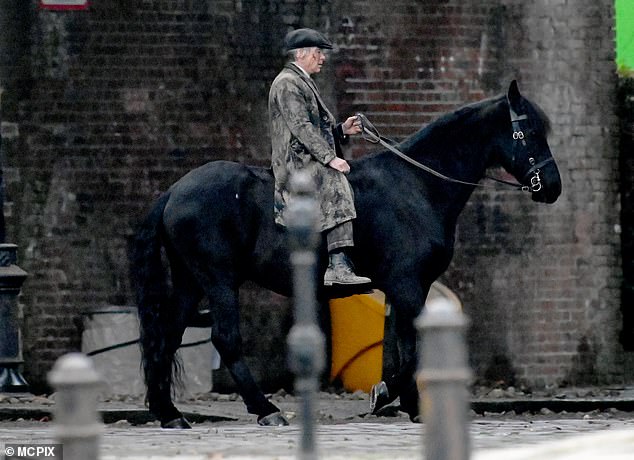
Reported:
(340, 165)
(351, 126)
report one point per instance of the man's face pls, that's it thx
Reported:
(311, 60)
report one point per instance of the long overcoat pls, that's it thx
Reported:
(304, 136)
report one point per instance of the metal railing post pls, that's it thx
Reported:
(11, 279)
(77, 424)
(305, 340)
(443, 381)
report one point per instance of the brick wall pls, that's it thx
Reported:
(626, 148)
(404, 64)
(120, 101)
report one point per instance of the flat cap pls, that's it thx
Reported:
(306, 38)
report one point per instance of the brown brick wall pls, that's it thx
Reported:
(123, 99)
(403, 64)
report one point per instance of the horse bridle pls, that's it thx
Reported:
(371, 134)
(519, 137)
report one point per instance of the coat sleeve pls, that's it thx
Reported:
(339, 135)
(290, 100)
(340, 139)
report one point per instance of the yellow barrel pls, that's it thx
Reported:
(357, 324)
(357, 340)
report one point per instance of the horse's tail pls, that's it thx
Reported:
(152, 296)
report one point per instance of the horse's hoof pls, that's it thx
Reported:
(416, 418)
(274, 419)
(391, 410)
(379, 397)
(178, 423)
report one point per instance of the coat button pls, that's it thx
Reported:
(325, 117)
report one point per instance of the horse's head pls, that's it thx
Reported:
(524, 148)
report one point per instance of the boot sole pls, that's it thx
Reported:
(344, 283)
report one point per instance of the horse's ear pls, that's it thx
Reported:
(514, 97)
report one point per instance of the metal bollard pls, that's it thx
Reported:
(442, 381)
(77, 424)
(11, 279)
(305, 340)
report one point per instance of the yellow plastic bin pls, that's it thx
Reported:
(357, 336)
(357, 340)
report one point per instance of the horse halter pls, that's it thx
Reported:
(520, 138)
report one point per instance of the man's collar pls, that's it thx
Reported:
(300, 68)
(301, 73)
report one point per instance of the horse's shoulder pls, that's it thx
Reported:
(377, 173)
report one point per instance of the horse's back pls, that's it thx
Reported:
(214, 202)
(215, 187)
(221, 215)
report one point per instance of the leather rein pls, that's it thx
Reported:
(371, 134)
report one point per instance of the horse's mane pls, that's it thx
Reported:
(468, 114)
(541, 117)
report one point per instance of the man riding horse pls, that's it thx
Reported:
(304, 136)
(216, 229)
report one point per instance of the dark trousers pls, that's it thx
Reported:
(340, 236)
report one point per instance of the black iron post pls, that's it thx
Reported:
(442, 381)
(11, 279)
(305, 340)
(14, 74)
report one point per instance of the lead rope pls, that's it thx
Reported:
(371, 134)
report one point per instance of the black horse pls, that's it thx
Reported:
(217, 230)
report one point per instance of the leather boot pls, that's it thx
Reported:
(340, 271)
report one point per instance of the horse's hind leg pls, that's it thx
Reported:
(225, 335)
(162, 337)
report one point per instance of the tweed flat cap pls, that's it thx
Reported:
(306, 38)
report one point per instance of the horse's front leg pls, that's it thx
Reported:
(407, 300)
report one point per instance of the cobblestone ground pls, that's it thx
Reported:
(359, 439)
(344, 430)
